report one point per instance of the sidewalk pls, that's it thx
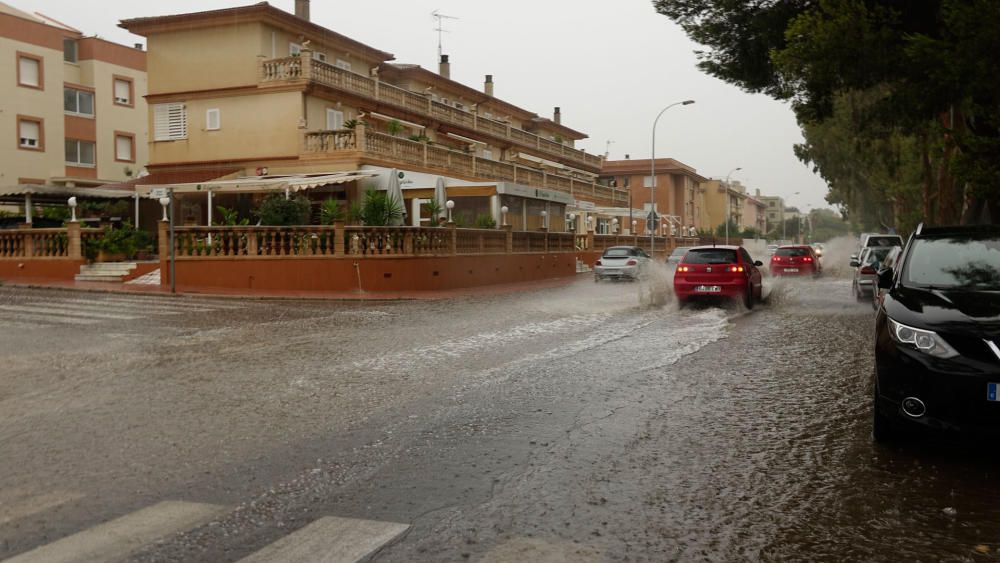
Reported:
(105, 287)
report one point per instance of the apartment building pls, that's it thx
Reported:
(72, 105)
(678, 197)
(775, 211)
(755, 213)
(255, 90)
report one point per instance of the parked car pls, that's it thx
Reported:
(621, 262)
(866, 268)
(714, 272)
(888, 262)
(795, 260)
(677, 254)
(937, 335)
(867, 240)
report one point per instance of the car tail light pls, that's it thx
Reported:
(597, 262)
(736, 268)
(632, 263)
(807, 259)
(683, 268)
(868, 270)
(776, 259)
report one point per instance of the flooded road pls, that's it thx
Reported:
(585, 423)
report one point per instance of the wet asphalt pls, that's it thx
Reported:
(585, 423)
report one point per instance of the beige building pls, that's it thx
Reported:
(755, 213)
(255, 90)
(72, 105)
(775, 211)
(679, 197)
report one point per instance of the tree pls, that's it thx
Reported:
(277, 211)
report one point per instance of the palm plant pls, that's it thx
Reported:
(331, 212)
(380, 209)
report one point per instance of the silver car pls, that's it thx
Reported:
(677, 254)
(621, 263)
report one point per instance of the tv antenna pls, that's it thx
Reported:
(440, 27)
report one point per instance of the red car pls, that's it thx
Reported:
(718, 272)
(795, 260)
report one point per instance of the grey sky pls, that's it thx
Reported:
(611, 65)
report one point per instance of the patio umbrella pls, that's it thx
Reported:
(441, 197)
(395, 192)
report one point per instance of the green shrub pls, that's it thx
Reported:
(230, 217)
(331, 212)
(485, 221)
(275, 210)
(380, 210)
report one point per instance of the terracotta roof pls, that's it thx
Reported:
(255, 12)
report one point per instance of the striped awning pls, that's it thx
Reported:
(41, 193)
(260, 184)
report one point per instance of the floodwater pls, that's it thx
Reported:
(596, 422)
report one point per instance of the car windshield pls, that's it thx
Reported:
(792, 252)
(955, 263)
(884, 241)
(710, 256)
(619, 253)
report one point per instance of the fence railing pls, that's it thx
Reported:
(28, 243)
(305, 68)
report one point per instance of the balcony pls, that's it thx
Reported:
(395, 150)
(306, 69)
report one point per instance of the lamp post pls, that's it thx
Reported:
(728, 206)
(652, 168)
(503, 215)
(614, 226)
(72, 207)
(545, 219)
(634, 222)
(450, 204)
(164, 202)
(572, 222)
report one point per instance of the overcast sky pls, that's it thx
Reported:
(611, 65)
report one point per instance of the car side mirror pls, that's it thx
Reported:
(885, 278)
(758, 263)
(855, 263)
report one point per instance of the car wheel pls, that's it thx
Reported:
(748, 298)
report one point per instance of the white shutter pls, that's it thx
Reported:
(123, 147)
(30, 134)
(123, 92)
(213, 119)
(169, 122)
(341, 63)
(29, 71)
(334, 120)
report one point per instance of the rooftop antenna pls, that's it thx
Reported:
(440, 27)
(607, 148)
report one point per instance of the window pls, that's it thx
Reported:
(487, 154)
(124, 91)
(78, 102)
(334, 119)
(294, 49)
(319, 56)
(213, 119)
(169, 122)
(29, 133)
(625, 181)
(341, 63)
(29, 71)
(124, 147)
(80, 153)
(69, 50)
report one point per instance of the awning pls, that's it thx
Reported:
(46, 194)
(259, 184)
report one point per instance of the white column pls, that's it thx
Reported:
(495, 208)
(27, 208)
(209, 215)
(415, 204)
(136, 224)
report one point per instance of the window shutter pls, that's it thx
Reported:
(334, 120)
(123, 92)
(29, 71)
(169, 122)
(123, 147)
(213, 119)
(30, 134)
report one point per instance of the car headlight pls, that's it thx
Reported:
(927, 341)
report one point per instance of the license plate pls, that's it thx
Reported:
(991, 391)
(708, 288)
(791, 269)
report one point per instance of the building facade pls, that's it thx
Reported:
(255, 90)
(775, 211)
(679, 197)
(73, 106)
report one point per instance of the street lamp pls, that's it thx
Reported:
(572, 222)
(72, 206)
(728, 205)
(450, 204)
(652, 167)
(503, 215)
(634, 222)
(164, 202)
(614, 226)
(545, 219)
(590, 223)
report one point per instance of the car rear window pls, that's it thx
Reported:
(893, 240)
(792, 252)
(710, 256)
(619, 253)
(958, 263)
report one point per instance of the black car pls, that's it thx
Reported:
(937, 335)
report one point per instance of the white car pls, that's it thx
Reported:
(621, 263)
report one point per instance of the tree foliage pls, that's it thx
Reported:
(897, 99)
(275, 210)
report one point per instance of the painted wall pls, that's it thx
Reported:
(198, 59)
(40, 270)
(377, 274)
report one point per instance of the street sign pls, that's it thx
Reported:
(157, 193)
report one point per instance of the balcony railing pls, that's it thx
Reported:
(308, 69)
(447, 160)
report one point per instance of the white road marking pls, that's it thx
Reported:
(33, 319)
(330, 540)
(46, 310)
(11, 510)
(117, 539)
(114, 307)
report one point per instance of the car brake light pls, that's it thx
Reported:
(867, 270)
(776, 259)
(736, 268)
(807, 259)
(683, 269)
(598, 262)
(632, 263)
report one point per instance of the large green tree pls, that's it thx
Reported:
(910, 87)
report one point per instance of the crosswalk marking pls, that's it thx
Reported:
(115, 540)
(16, 509)
(330, 540)
(46, 310)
